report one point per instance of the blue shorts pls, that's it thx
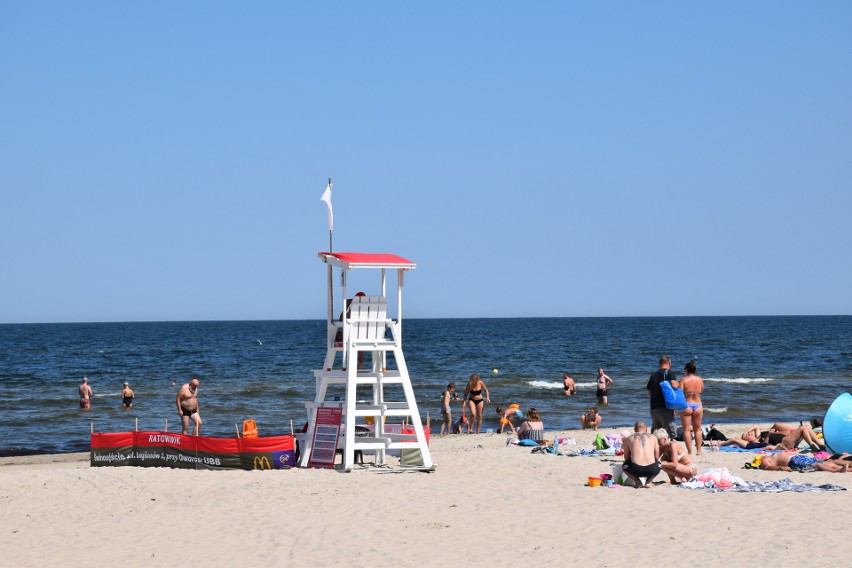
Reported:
(801, 462)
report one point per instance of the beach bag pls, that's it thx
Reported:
(715, 436)
(673, 396)
(600, 443)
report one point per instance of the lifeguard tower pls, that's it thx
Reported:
(364, 354)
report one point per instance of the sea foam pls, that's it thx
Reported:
(740, 380)
(557, 385)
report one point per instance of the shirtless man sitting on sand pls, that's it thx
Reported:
(187, 403)
(641, 455)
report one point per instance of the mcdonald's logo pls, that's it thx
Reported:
(261, 462)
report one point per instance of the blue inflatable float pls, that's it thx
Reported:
(837, 425)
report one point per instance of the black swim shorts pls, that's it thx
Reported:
(642, 470)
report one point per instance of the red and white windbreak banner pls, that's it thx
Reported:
(165, 449)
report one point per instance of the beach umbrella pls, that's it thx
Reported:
(837, 425)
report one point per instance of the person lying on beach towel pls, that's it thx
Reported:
(786, 461)
(776, 433)
(802, 433)
(749, 440)
(752, 439)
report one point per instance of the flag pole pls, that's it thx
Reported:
(326, 196)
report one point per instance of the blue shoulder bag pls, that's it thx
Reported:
(673, 396)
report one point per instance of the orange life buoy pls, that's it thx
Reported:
(249, 428)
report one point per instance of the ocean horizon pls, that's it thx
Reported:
(756, 368)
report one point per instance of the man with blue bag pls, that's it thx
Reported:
(661, 415)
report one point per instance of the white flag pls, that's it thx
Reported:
(326, 196)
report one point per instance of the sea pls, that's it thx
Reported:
(755, 369)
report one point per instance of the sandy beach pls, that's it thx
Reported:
(486, 503)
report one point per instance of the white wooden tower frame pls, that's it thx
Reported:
(366, 328)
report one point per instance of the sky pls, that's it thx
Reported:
(165, 160)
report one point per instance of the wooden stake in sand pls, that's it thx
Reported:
(237, 428)
(166, 427)
(137, 423)
(291, 429)
(92, 427)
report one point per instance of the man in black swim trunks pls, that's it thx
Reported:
(641, 455)
(187, 403)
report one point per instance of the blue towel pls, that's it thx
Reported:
(739, 449)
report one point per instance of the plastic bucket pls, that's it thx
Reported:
(617, 472)
(594, 481)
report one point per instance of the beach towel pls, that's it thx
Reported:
(763, 487)
(613, 440)
(739, 449)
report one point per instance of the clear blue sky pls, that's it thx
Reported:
(165, 160)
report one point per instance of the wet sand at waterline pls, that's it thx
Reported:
(485, 503)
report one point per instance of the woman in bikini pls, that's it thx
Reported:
(675, 461)
(590, 419)
(475, 401)
(691, 417)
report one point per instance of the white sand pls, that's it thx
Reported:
(486, 504)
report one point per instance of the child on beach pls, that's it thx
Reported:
(446, 413)
(507, 417)
(461, 425)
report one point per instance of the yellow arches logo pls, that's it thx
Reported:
(261, 462)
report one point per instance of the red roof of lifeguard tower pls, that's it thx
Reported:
(349, 260)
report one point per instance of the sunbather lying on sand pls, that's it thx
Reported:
(786, 461)
(751, 440)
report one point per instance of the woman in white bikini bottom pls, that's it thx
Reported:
(675, 460)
